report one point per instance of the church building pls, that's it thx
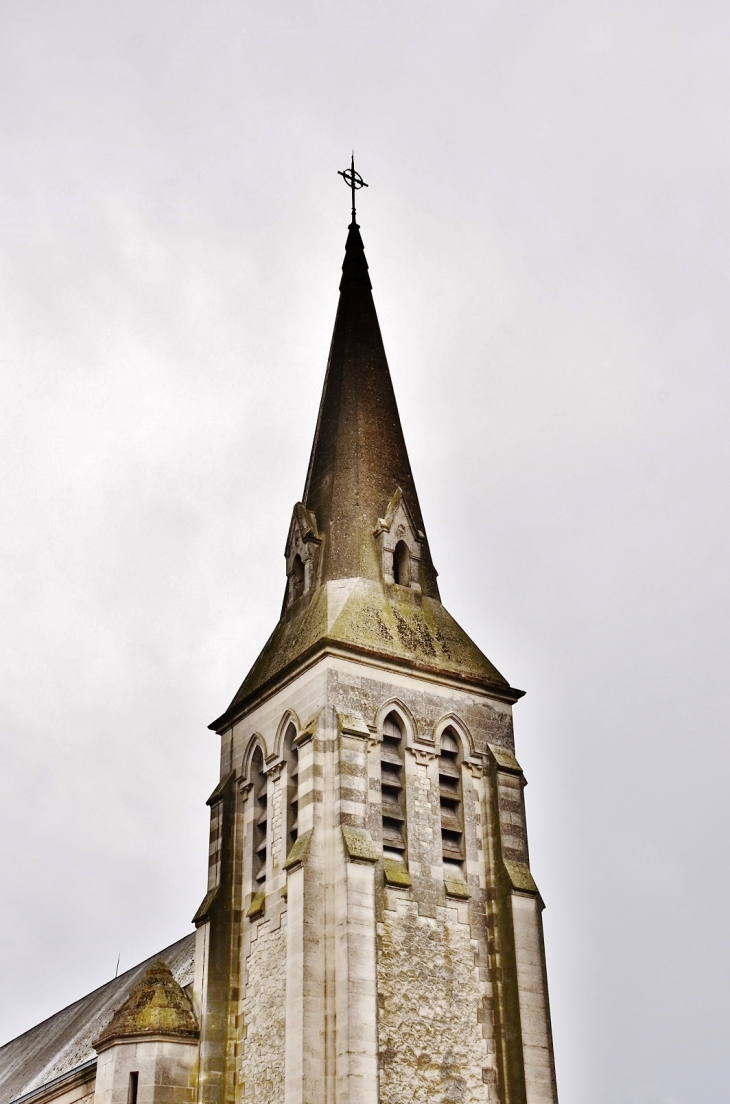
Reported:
(370, 932)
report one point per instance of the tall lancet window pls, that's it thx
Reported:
(291, 756)
(452, 825)
(260, 818)
(392, 789)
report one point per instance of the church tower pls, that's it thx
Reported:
(371, 933)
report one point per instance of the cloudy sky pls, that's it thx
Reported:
(547, 227)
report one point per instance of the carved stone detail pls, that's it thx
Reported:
(302, 554)
(424, 755)
(397, 526)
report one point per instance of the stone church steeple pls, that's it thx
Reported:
(371, 932)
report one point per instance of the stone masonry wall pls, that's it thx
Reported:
(432, 1050)
(264, 1017)
(441, 986)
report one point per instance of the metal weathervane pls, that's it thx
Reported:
(353, 180)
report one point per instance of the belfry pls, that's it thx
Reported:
(371, 932)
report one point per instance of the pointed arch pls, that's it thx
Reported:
(402, 564)
(395, 705)
(288, 717)
(255, 740)
(450, 720)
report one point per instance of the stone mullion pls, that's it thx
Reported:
(276, 790)
(424, 828)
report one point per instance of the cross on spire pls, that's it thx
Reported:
(353, 180)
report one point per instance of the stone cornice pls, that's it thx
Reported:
(499, 691)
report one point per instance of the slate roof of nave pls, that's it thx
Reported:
(62, 1043)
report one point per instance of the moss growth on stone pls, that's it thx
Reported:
(389, 621)
(505, 759)
(299, 850)
(359, 846)
(520, 877)
(156, 1006)
(456, 887)
(205, 905)
(257, 904)
(396, 874)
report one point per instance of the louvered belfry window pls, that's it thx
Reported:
(260, 818)
(392, 788)
(292, 788)
(452, 829)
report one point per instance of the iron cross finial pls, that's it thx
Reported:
(353, 180)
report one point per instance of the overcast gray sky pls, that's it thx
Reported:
(547, 229)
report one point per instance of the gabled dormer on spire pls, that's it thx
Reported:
(302, 554)
(399, 542)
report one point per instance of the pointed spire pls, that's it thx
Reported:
(355, 265)
(359, 457)
(359, 509)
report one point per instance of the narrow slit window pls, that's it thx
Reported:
(392, 789)
(261, 812)
(292, 788)
(133, 1087)
(297, 578)
(450, 796)
(402, 564)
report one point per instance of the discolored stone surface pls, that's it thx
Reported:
(156, 1006)
(431, 1045)
(63, 1043)
(359, 454)
(264, 1016)
(369, 618)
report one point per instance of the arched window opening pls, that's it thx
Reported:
(402, 564)
(291, 755)
(452, 827)
(260, 818)
(297, 578)
(392, 789)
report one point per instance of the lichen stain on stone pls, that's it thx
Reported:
(382, 627)
(431, 1046)
(415, 637)
(393, 620)
(156, 1006)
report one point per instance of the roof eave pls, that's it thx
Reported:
(502, 691)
